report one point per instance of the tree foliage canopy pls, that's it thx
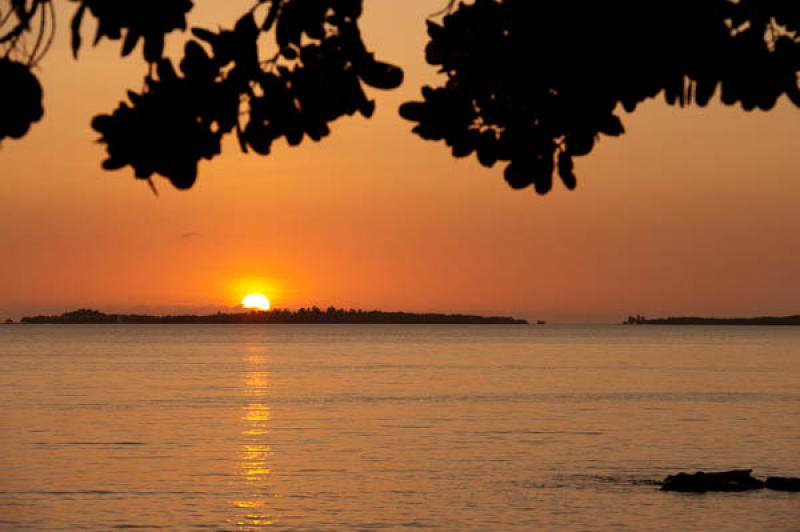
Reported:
(531, 84)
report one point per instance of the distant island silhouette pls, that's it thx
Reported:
(303, 315)
(690, 320)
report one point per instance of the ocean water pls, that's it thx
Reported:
(393, 427)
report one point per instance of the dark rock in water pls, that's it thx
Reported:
(783, 483)
(736, 480)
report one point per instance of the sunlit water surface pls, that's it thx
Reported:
(364, 427)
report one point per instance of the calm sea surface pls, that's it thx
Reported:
(367, 427)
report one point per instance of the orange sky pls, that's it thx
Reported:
(694, 211)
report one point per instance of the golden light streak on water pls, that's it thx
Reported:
(255, 453)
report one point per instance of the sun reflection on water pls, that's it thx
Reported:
(255, 452)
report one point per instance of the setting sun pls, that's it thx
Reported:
(255, 302)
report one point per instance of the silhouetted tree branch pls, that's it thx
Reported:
(530, 83)
(536, 83)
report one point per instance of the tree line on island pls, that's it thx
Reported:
(692, 320)
(354, 316)
(302, 315)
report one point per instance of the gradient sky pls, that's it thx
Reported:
(693, 211)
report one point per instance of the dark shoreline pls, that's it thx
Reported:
(313, 315)
(690, 320)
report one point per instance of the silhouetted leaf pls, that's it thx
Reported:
(20, 99)
(204, 35)
(183, 178)
(704, 91)
(131, 38)
(196, 63)
(367, 108)
(414, 111)
(517, 177)
(113, 164)
(246, 26)
(565, 170)
(612, 126)
(272, 15)
(487, 149)
(75, 27)
(580, 143)
(153, 48)
(380, 75)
